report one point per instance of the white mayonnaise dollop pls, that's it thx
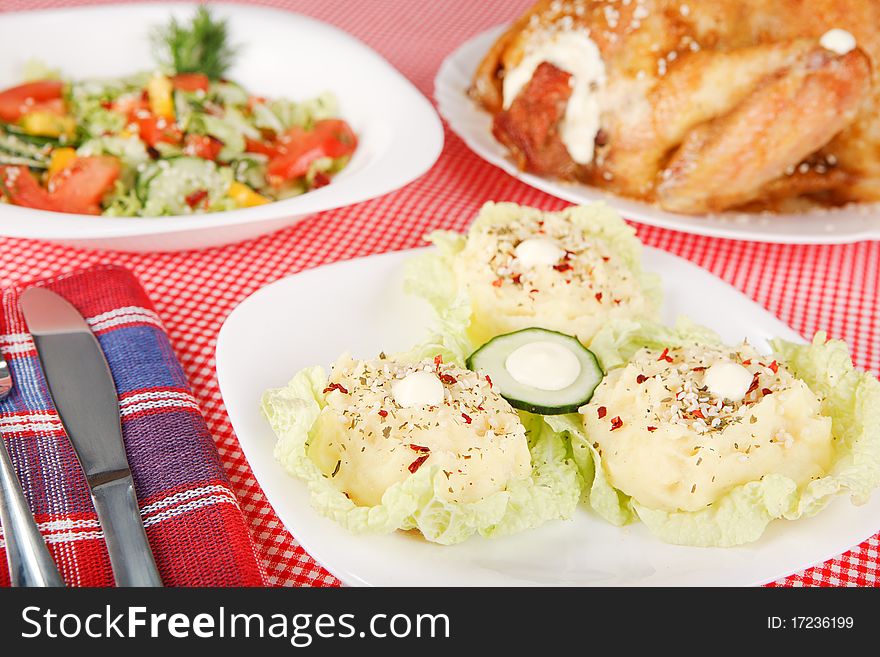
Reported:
(543, 365)
(577, 54)
(537, 251)
(838, 41)
(728, 380)
(418, 389)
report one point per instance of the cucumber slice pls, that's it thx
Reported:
(493, 356)
(15, 149)
(144, 178)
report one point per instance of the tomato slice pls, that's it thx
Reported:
(262, 147)
(130, 105)
(191, 81)
(202, 146)
(340, 139)
(298, 149)
(23, 189)
(255, 100)
(54, 106)
(17, 101)
(77, 190)
(80, 187)
(154, 130)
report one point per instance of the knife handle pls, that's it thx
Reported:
(130, 555)
(30, 563)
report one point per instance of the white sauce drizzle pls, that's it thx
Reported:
(418, 389)
(543, 365)
(838, 41)
(577, 54)
(537, 251)
(728, 380)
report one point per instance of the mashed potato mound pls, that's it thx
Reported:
(593, 281)
(365, 442)
(668, 442)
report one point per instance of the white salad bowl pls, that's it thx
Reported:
(281, 55)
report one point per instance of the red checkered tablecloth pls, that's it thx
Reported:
(809, 287)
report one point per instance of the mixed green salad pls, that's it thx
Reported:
(182, 139)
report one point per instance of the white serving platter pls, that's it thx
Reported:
(473, 125)
(359, 306)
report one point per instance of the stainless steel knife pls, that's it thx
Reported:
(84, 394)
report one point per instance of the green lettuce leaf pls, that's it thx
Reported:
(849, 397)
(284, 114)
(616, 343)
(551, 493)
(432, 275)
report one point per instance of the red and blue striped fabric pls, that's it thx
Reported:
(192, 517)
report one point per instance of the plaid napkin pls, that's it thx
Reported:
(192, 518)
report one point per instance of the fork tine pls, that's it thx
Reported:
(30, 563)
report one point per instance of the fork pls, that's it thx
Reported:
(29, 561)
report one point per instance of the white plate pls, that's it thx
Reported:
(359, 306)
(282, 54)
(473, 125)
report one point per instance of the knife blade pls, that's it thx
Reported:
(84, 394)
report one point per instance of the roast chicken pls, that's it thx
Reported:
(698, 106)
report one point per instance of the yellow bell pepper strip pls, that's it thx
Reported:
(47, 124)
(160, 91)
(62, 158)
(244, 196)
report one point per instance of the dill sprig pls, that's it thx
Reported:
(201, 46)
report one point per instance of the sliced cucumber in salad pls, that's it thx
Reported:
(539, 371)
(16, 148)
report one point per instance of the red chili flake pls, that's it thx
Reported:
(517, 278)
(438, 360)
(652, 429)
(774, 367)
(754, 385)
(665, 356)
(489, 380)
(601, 412)
(533, 291)
(698, 413)
(383, 413)
(196, 197)
(599, 297)
(480, 408)
(467, 418)
(641, 378)
(605, 258)
(562, 267)
(448, 379)
(498, 282)
(616, 423)
(617, 302)
(698, 369)
(336, 386)
(747, 362)
(419, 448)
(415, 465)
(766, 391)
